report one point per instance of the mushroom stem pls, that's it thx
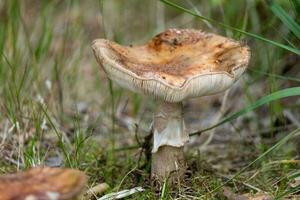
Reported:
(168, 142)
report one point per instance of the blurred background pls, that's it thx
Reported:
(57, 108)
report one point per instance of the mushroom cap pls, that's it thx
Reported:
(42, 183)
(175, 65)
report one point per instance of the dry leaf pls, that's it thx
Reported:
(42, 183)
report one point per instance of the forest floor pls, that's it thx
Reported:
(57, 107)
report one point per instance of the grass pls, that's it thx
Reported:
(57, 108)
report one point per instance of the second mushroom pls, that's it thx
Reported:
(175, 65)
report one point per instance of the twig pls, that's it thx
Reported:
(146, 148)
(14, 162)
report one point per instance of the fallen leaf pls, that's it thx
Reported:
(42, 183)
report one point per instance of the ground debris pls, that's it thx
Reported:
(96, 190)
(122, 194)
(230, 195)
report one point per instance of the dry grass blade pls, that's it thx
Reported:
(96, 190)
(232, 196)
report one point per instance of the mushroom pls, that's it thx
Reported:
(175, 65)
(42, 183)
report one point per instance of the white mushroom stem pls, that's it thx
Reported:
(169, 138)
(168, 126)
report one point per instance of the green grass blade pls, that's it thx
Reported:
(2, 37)
(287, 78)
(163, 192)
(296, 4)
(59, 136)
(289, 48)
(287, 20)
(288, 192)
(291, 135)
(295, 91)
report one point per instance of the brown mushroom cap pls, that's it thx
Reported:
(175, 64)
(42, 183)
